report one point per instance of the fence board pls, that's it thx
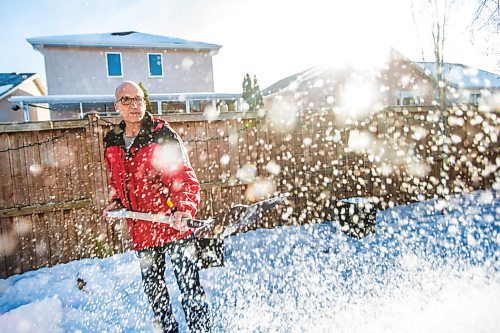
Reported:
(6, 185)
(56, 237)
(18, 169)
(233, 148)
(73, 169)
(41, 240)
(201, 164)
(84, 169)
(24, 230)
(224, 158)
(47, 165)
(34, 168)
(4, 248)
(11, 248)
(60, 164)
(213, 152)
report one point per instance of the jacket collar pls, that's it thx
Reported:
(144, 137)
(146, 126)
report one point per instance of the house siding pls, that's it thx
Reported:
(82, 71)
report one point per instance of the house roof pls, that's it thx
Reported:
(309, 77)
(458, 75)
(126, 39)
(281, 84)
(9, 82)
(462, 76)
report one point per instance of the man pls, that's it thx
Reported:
(150, 172)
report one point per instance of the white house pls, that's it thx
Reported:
(83, 71)
(92, 64)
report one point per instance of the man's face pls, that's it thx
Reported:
(130, 103)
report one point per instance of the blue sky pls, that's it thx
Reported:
(270, 38)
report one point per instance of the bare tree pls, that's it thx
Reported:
(487, 14)
(431, 18)
(485, 28)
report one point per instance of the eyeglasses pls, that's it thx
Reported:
(125, 100)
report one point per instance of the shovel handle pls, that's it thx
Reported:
(155, 218)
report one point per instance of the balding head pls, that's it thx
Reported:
(122, 86)
(129, 102)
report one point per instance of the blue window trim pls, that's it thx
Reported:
(151, 74)
(107, 64)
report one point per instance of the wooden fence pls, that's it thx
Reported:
(54, 182)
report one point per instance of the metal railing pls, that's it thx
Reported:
(159, 101)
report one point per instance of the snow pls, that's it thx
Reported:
(430, 267)
(39, 316)
(123, 39)
(4, 89)
(464, 76)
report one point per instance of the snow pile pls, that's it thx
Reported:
(430, 267)
(39, 316)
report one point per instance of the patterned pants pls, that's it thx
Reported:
(184, 261)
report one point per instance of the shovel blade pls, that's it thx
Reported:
(238, 219)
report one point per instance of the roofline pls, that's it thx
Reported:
(454, 85)
(458, 64)
(180, 97)
(42, 41)
(39, 45)
(8, 92)
(283, 89)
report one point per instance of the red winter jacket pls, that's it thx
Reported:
(155, 176)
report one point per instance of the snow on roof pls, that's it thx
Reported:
(127, 39)
(463, 76)
(281, 84)
(456, 74)
(4, 89)
(9, 81)
(308, 76)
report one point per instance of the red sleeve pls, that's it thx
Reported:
(185, 190)
(113, 193)
(176, 172)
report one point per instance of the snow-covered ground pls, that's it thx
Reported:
(431, 267)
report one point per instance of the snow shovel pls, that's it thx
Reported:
(210, 233)
(221, 226)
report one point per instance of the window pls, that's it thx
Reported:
(475, 99)
(114, 64)
(408, 98)
(155, 64)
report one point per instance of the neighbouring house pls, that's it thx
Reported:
(398, 81)
(21, 84)
(466, 84)
(83, 71)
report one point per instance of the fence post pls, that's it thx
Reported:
(99, 177)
